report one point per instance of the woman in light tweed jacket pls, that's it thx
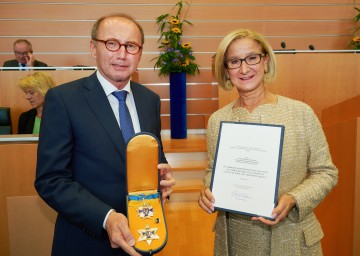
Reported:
(307, 175)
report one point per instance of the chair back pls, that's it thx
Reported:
(5, 121)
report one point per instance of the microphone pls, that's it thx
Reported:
(284, 50)
(283, 45)
(311, 47)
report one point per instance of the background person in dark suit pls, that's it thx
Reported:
(24, 56)
(35, 86)
(81, 152)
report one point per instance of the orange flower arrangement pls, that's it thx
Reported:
(175, 55)
(355, 43)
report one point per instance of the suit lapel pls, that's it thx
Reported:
(100, 106)
(139, 103)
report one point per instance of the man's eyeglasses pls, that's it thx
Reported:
(113, 45)
(252, 59)
(21, 53)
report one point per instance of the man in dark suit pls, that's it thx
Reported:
(24, 56)
(81, 152)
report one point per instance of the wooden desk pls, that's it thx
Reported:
(340, 211)
(17, 174)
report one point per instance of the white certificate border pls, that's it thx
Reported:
(282, 129)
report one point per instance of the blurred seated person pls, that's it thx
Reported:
(35, 87)
(23, 56)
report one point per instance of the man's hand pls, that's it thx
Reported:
(30, 60)
(167, 181)
(117, 227)
(281, 211)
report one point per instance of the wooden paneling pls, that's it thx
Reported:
(190, 230)
(25, 214)
(79, 45)
(62, 59)
(46, 28)
(193, 90)
(149, 76)
(16, 179)
(193, 122)
(149, 12)
(60, 30)
(193, 143)
(341, 112)
(344, 143)
(342, 128)
(319, 79)
(201, 98)
(66, 57)
(209, 2)
(200, 106)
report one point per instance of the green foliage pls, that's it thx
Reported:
(355, 43)
(175, 55)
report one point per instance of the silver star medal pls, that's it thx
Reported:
(145, 211)
(148, 234)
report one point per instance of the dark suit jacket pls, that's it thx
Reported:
(26, 121)
(14, 63)
(81, 162)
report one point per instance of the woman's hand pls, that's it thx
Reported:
(281, 211)
(207, 200)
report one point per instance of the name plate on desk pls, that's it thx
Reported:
(246, 168)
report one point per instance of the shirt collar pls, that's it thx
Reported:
(108, 87)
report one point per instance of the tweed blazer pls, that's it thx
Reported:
(307, 173)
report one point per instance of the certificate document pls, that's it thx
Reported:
(246, 168)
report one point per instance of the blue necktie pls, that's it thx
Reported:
(126, 124)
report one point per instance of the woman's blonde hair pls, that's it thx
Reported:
(220, 69)
(38, 81)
